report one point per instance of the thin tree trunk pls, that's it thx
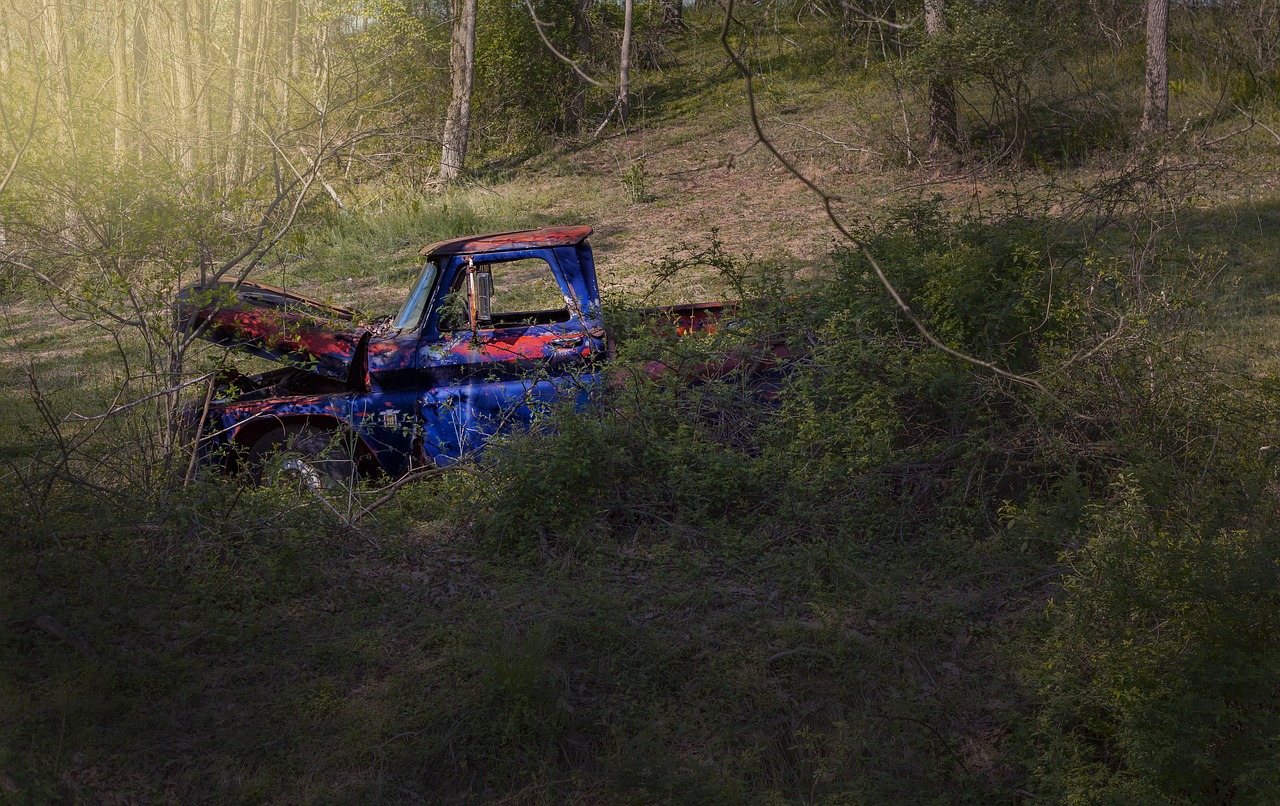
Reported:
(4, 42)
(261, 58)
(582, 45)
(624, 63)
(204, 99)
(233, 81)
(142, 74)
(241, 96)
(56, 48)
(1155, 105)
(462, 62)
(291, 45)
(183, 59)
(285, 16)
(943, 132)
(119, 79)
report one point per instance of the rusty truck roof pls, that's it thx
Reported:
(507, 241)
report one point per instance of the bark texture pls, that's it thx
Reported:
(624, 63)
(462, 63)
(1155, 104)
(943, 131)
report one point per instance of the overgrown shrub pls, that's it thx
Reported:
(1145, 471)
(1159, 674)
(869, 420)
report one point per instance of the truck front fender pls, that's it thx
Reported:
(236, 427)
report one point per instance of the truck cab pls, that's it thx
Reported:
(496, 328)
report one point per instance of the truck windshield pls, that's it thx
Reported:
(411, 314)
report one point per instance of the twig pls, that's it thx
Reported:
(50, 625)
(1265, 127)
(800, 650)
(391, 489)
(1229, 135)
(617, 102)
(824, 136)
(944, 180)
(333, 194)
(42, 277)
(828, 199)
(31, 133)
(539, 25)
(80, 418)
(350, 523)
(878, 20)
(195, 442)
(1269, 130)
(1110, 337)
(895, 718)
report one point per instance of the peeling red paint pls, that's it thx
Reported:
(545, 238)
(276, 324)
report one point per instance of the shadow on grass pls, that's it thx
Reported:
(236, 647)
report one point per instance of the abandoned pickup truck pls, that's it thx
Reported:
(496, 328)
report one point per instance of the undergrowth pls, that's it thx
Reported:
(871, 573)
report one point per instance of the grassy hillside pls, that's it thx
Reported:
(905, 580)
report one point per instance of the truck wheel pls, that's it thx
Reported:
(304, 458)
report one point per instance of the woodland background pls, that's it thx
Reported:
(910, 578)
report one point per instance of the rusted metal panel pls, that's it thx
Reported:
(695, 317)
(277, 324)
(545, 238)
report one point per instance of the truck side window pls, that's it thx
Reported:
(525, 292)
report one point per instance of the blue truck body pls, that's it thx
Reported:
(420, 388)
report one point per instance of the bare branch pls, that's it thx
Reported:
(824, 136)
(389, 492)
(539, 25)
(31, 133)
(617, 102)
(312, 164)
(195, 443)
(1252, 122)
(828, 199)
(877, 19)
(1270, 131)
(1251, 125)
(89, 304)
(80, 418)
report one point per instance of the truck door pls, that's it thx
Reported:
(535, 349)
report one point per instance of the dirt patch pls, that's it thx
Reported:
(655, 191)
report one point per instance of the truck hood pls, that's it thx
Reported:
(278, 325)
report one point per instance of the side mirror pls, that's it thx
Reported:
(479, 294)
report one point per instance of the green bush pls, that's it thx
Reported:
(647, 454)
(1161, 670)
(522, 87)
(1159, 673)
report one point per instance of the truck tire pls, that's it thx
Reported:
(303, 457)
